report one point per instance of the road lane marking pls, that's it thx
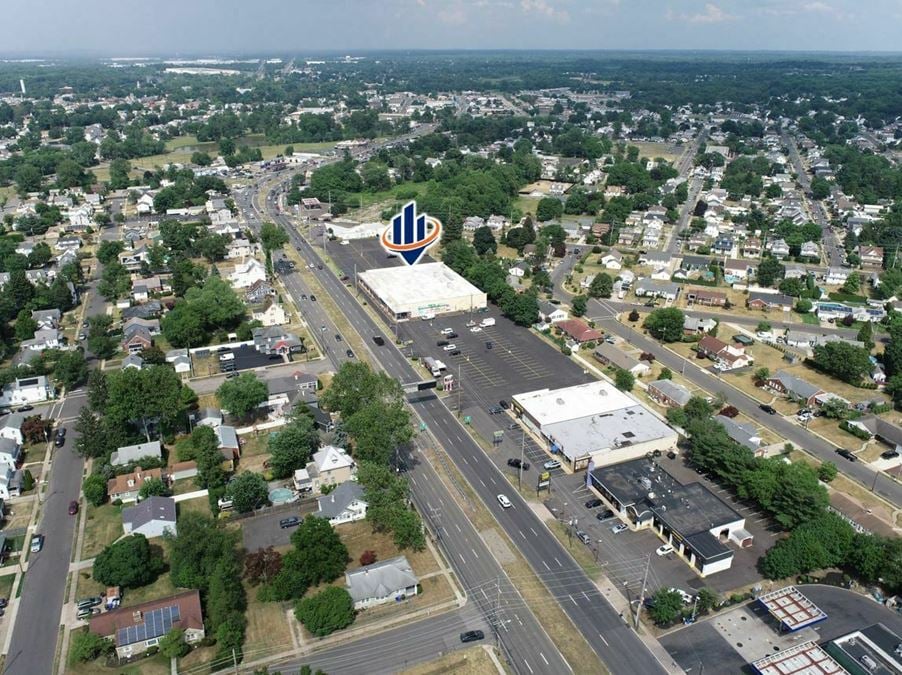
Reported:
(586, 596)
(461, 558)
(546, 565)
(544, 659)
(483, 483)
(533, 531)
(603, 640)
(474, 552)
(572, 600)
(485, 594)
(558, 562)
(521, 534)
(458, 527)
(528, 666)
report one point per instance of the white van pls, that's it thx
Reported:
(229, 356)
(485, 323)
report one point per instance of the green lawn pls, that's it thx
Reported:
(6, 585)
(810, 318)
(198, 505)
(103, 527)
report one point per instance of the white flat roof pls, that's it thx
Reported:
(550, 406)
(403, 286)
(608, 431)
(791, 608)
(807, 658)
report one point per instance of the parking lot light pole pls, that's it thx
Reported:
(520, 468)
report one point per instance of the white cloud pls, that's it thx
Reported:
(545, 8)
(712, 14)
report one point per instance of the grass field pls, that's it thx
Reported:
(666, 151)
(103, 527)
(472, 661)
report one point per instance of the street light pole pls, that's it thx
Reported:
(522, 449)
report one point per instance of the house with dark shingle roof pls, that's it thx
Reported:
(793, 387)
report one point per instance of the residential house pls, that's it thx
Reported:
(11, 481)
(144, 288)
(744, 434)
(344, 504)
(579, 330)
(629, 237)
(259, 291)
(702, 296)
(135, 629)
(48, 338)
(382, 582)
(247, 272)
(182, 470)
(610, 355)
(836, 276)
(133, 258)
(126, 487)
(68, 244)
(695, 263)
(723, 244)
(271, 313)
(148, 310)
(650, 288)
(144, 204)
(132, 361)
(227, 442)
(330, 466)
(871, 256)
(801, 339)
(738, 271)
(795, 271)
(884, 430)
(11, 427)
(657, 259)
(46, 318)
(132, 453)
(10, 454)
(751, 247)
(726, 356)
(180, 360)
(275, 340)
(810, 250)
(668, 393)
(136, 339)
(765, 301)
(27, 390)
(551, 313)
(153, 517)
(612, 260)
(519, 270)
(794, 388)
(695, 325)
(286, 392)
(208, 417)
(472, 223)
(151, 325)
(778, 248)
(240, 248)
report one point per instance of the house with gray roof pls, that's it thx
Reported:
(669, 393)
(650, 288)
(611, 355)
(744, 434)
(549, 312)
(793, 387)
(152, 517)
(132, 453)
(344, 504)
(385, 581)
(884, 430)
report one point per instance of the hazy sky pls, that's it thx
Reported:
(150, 27)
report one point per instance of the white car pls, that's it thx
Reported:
(664, 549)
(447, 331)
(504, 501)
(476, 329)
(551, 464)
(449, 348)
(618, 528)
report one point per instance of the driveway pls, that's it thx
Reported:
(264, 530)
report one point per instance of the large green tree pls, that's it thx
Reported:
(326, 612)
(666, 324)
(292, 446)
(130, 562)
(241, 395)
(248, 491)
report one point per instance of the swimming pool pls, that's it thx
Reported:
(281, 496)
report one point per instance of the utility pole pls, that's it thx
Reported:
(642, 592)
(522, 449)
(459, 387)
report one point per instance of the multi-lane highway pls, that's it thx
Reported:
(601, 626)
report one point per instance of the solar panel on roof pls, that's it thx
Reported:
(156, 623)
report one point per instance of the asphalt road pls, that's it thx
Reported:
(601, 626)
(35, 633)
(783, 427)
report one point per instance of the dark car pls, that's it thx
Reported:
(293, 521)
(848, 454)
(24, 408)
(892, 453)
(337, 337)
(454, 352)
(472, 636)
(769, 409)
(312, 298)
(607, 514)
(349, 354)
(496, 410)
(231, 374)
(319, 267)
(518, 464)
(488, 345)
(442, 343)
(593, 503)
(60, 437)
(452, 335)
(504, 404)
(379, 340)
(73, 507)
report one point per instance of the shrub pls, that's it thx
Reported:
(367, 558)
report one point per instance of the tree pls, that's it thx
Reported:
(708, 599)
(248, 491)
(820, 188)
(210, 474)
(484, 241)
(173, 645)
(108, 251)
(71, 369)
(262, 565)
(633, 316)
(183, 327)
(843, 361)
(272, 237)
(241, 395)
(129, 562)
(326, 612)
(770, 270)
(94, 489)
(196, 550)
(667, 607)
(87, 646)
(368, 557)
(28, 179)
(852, 284)
(318, 551)
(866, 335)
(549, 208)
(666, 374)
(153, 487)
(578, 305)
(666, 324)
(119, 174)
(140, 396)
(292, 447)
(763, 327)
(761, 374)
(100, 343)
(803, 306)
(624, 380)
(602, 286)
(25, 326)
(826, 472)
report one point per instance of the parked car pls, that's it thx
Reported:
(232, 373)
(496, 410)
(292, 521)
(687, 598)
(349, 354)
(504, 501)
(488, 345)
(504, 404)
(446, 331)
(892, 453)
(454, 352)
(59, 438)
(89, 602)
(664, 549)
(476, 329)
(583, 537)
(449, 348)
(848, 454)
(441, 343)
(602, 516)
(73, 507)
(618, 528)
(37, 543)
(769, 409)
(451, 335)
(512, 426)
(593, 503)
(517, 463)
(472, 636)
(551, 464)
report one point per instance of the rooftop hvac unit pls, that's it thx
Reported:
(645, 483)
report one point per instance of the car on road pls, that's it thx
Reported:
(454, 352)
(504, 501)
(312, 298)
(512, 426)
(496, 410)
(602, 516)
(619, 527)
(551, 464)
(25, 408)
(303, 296)
(293, 521)
(664, 549)
(583, 537)
(59, 438)
(337, 337)
(349, 354)
(610, 339)
(472, 636)
(449, 348)
(593, 503)
(37, 543)
(379, 340)
(769, 409)
(517, 463)
(848, 454)
(73, 507)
